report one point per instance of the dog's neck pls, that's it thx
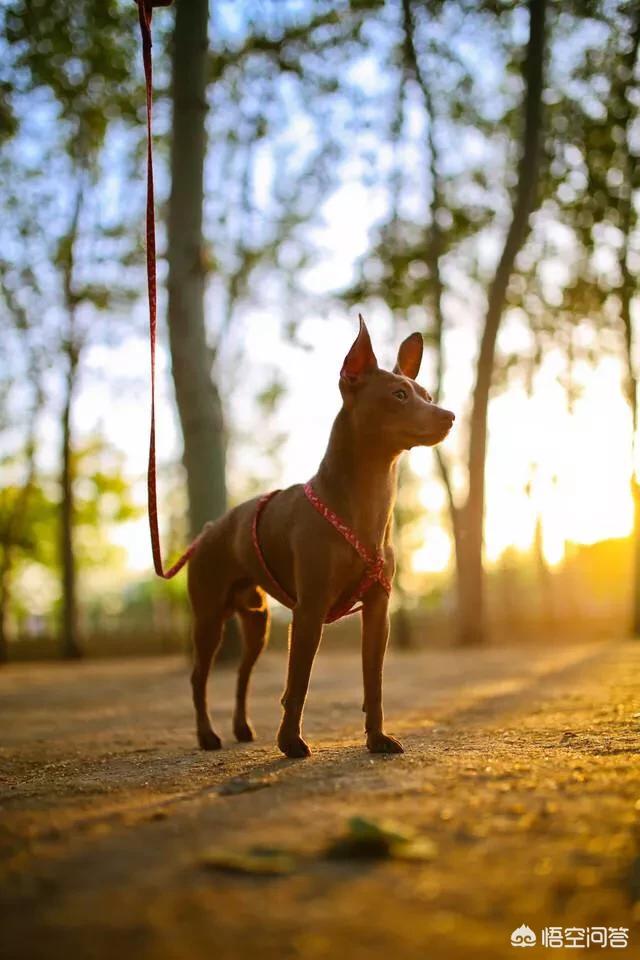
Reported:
(357, 479)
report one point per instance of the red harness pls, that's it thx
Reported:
(374, 562)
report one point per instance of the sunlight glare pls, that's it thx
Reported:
(570, 469)
(434, 556)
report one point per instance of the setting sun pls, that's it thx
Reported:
(570, 470)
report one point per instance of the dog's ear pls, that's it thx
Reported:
(361, 359)
(410, 356)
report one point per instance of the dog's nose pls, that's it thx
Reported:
(448, 415)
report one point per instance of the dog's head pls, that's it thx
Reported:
(391, 405)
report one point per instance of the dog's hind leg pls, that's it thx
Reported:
(255, 621)
(207, 634)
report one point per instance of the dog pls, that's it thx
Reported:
(318, 547)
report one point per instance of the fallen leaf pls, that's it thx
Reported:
(259, 861)
(421, 849)
(243, 785)
(568, 735)
(371, 839)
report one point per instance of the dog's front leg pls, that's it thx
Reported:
(375, 635)
(306, 633)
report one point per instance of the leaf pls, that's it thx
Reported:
(365, 829)
(371, 839)
(259, 861)
(244, 785)
(422, 849)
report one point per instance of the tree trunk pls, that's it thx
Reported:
(628, 222)
(472, 615)
(470, 583)
(628, 289)
(197, 397)
(69, 621)
(545, 579)
(5, 587)
(635, 621)
(71, 348)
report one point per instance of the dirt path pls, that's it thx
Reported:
(522, 767)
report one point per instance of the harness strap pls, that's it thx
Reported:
(374, 562)
(279, 592)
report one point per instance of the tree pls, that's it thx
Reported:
(594, 180)
(72, 343)
(415, 257)
(622, 115)
(470, 569)
(15, 498)
(197, 395)
(101, 502)
(78, 59)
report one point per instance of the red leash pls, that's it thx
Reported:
(145, 13)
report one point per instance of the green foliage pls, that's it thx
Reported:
(102, 500)
(82, 53)
(586, 235)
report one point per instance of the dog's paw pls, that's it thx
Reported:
(294, 747)
(243, 732)
(381, 743)
(209, 740)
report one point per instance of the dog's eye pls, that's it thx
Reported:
(401, 394)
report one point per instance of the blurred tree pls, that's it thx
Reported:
(72, 344)
(593, 179)
(15, 496)
(261, 186)
(77, 61)
(470, 571)
(102, 500)
(414, 259)
(197, 394)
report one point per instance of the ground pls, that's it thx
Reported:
(521, 768)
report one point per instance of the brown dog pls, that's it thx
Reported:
(293, 546)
